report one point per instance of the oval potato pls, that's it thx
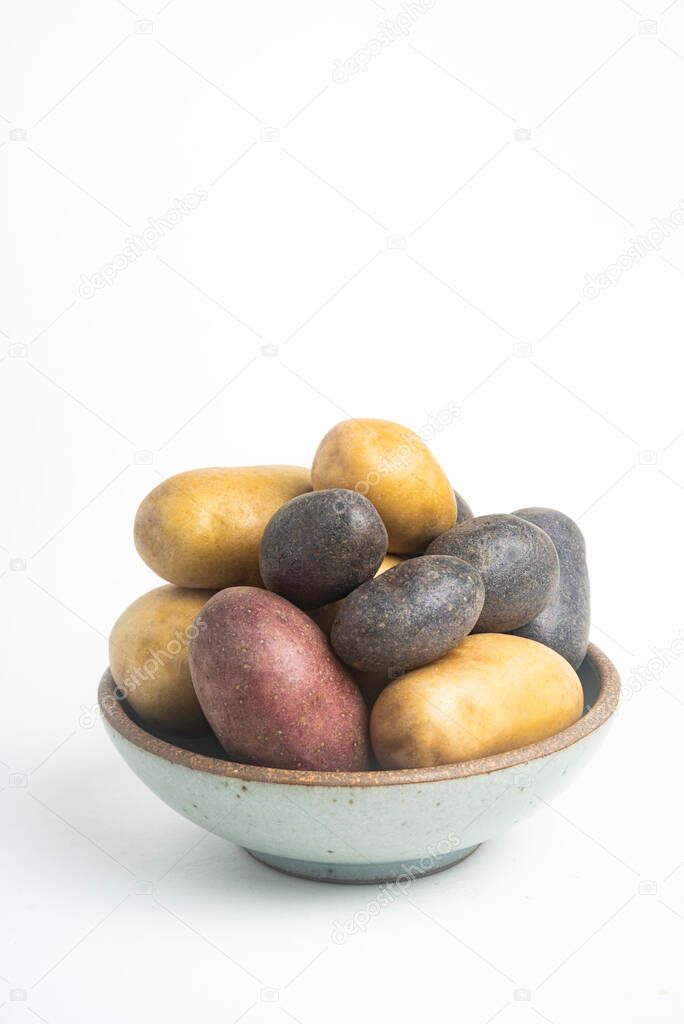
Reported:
(518, 563)
(320, 546)
(564, 623)
(394, 469)
(371, 684)
(492, 693)
(325, 615)
(409, 615)
(148, 657)
(202, 528)
(271, 687)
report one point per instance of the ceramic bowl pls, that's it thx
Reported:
(361, 826)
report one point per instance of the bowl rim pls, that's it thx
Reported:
(606, 702)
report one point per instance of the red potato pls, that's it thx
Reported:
(271, 687)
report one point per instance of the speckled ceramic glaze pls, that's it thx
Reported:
(361, 826)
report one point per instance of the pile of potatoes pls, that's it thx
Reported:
(355, 616)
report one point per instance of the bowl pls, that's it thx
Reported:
(375, 826)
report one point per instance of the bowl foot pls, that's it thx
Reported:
(364, 874)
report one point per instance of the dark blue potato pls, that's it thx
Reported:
(463, 509)
(564, 624)
(518, 564)
(409, 615)
(320, 548)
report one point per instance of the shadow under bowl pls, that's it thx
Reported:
(374, 826)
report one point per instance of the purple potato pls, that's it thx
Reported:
(319, 547)
(518, 563)
(564, 624)
(409, 615)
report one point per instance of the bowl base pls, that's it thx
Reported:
(364, 874)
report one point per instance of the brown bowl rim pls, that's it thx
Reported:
(605, 704)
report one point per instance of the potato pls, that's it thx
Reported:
(409, 616)
(325, 616)
(492, 693)
(564, 623)
(272, 689)
(518, 562)
(394, 469)
(320, 546)
(148, 657)
(371, 684)
(203, 528)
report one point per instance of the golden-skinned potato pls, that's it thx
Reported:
(394, 469)
(203, 528)
(148, 657)
(494, 692)
(325, 615)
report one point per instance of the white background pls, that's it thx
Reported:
(114, 908)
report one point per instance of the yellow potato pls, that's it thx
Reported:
(148, 656)
(492, 693)
(394, 469)
(325, 615)
(203, 528)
